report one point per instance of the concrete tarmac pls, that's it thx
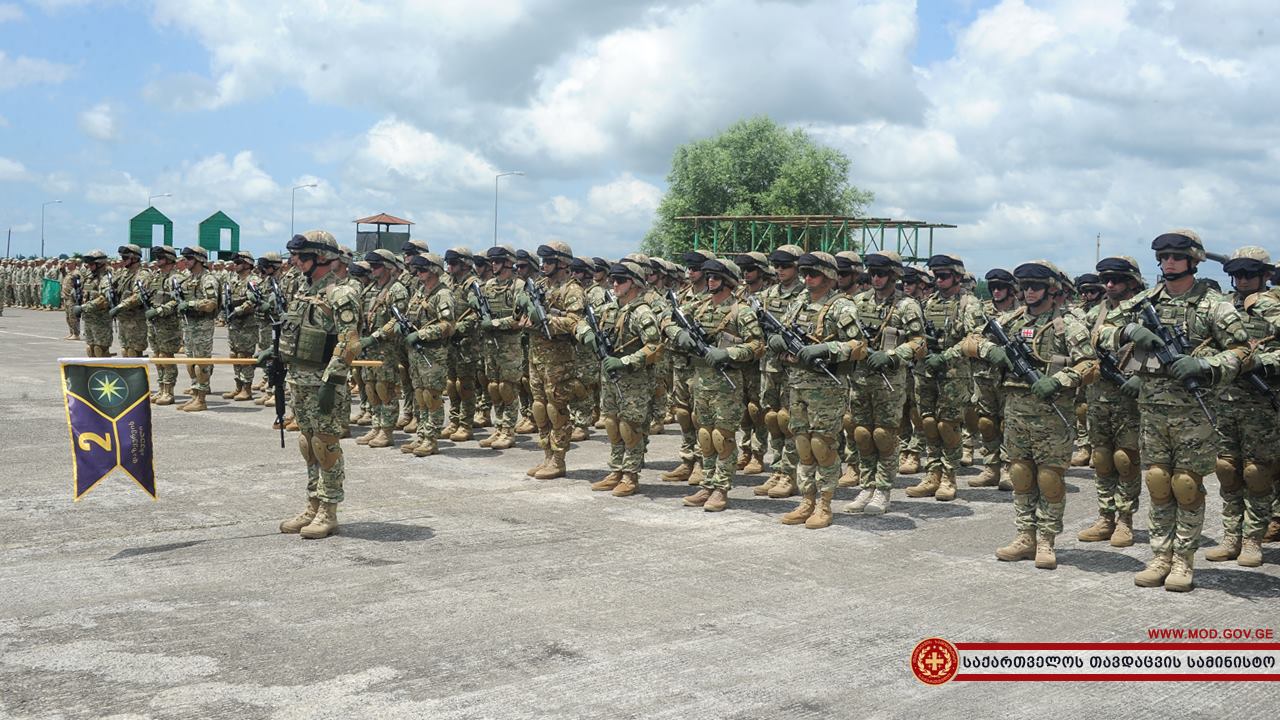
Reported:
(460, 588)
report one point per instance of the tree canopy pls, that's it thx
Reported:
(755, 167)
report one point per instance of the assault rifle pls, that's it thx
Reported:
(794, 340)
(701, 345)
(1020, 359)
(112, 296)
(604, 347)
(1173, 343)
(176, 286)
(1109, 367)
(932, 337)
(407, 329)
(143, 296)
(485, 310)
(539, 300)
(276, 370)
(77, 289)
(866, 333)
(226, 304)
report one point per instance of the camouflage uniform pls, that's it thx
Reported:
(503, 359)
(72, 277)
(164, 331)
(988, 383)
(774, 396)
(242, 326)
(95, 305)
(553, 383)
(466, 363)
(199, 308)
(129, 314)
(432, 313)
(383, 342)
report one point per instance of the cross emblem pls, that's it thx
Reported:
(935, 660)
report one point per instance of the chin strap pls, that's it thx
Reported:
(1169, 277)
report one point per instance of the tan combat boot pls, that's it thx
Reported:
(411, 427)
(1155, 572)
(1100, 530)
(679, 473)
(426, 448)
(966, 457)
(1181, 576)
(265, 400)
(599, 424)
(989, 477)
(232, 393)
(1023, 547)
(291, 424)
(718, 501)
(462, 434)
(1081, 456)
(1046, 559)
(860, 502)
(821, 516)
(784, 488)
(1250, 552)
(1273, 531)
(927, 486)
(245, 394)
(196, 404)
(696, 477)
(546, 460)
(190, 399)
(355, 416)
(366, 419)
(579, 434)
(488, 440)
(401, 421)
(803, 511)
(381, 439)
(525, 427)
(365, 438)
(302, 520)
(850, 478)
(879, 504)
(1005, 485)
(630, 483)
(764, 487)
(947, 488)
(408, 447)
(481, 419)
(1123, 534)
(166, 394)
(608, 482)
(553, 469)
(697, 499)
(324, 524)
(1228, 549)
(446, 433)
(744, 457)
(503, 439)
(909, 464)
(755, 466)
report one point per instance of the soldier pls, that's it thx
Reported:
(632, 328)
(582, 411)
(944, 388)
(383, 342)
(678, 372)
(319, 342)
(1038, 449)
(408, 420)
(1113, 419)
(500, 346)
(466, 359)
(242, 323)
(128, 311)
(735, 344)
(774, 396)
(1247, 431)
(72, 278)
(552, 380)
(361, 281)
(849, 266)
(988, 382)
(755, 432)
(164, 331)
(267, 271)
(95, 304)
(431, 313)
(879, 381)
(911, 436)
(198, 305)
(526, 268)
(1089, 292)
(1177, 446)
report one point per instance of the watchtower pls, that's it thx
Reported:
(211, 232)
(382, 236)
(142, 228)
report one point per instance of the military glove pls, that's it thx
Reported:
(367, 341)
(777, 344)
(999, 357)
(114, 311)
(1142, 337)
(810, 354)
(612, 365)
(716, 357)
(590, 341)
(684, 341)
(77, 310)
(936, 363)
(879, 360)
(152, 313)
(1188, 367)
(265, 358)
(1132, 387)
(182, 306)
(1046, 387)
(523, 304)
(413, 338)
(328, 393)
(495, 324)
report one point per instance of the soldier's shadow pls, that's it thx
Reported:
(461, 451)
(929, 509)
(1107, 562)
(386, 531)
(1237, 581)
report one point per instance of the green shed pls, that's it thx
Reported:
(142, 228)
(214, 228)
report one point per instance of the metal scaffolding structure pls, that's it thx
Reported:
(730, 234)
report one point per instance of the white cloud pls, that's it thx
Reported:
(23, 70)
(561, 209)
(12, 170)
(99, 122)
(10, 12)
(394, 152)
(625, 197)
(123, 189)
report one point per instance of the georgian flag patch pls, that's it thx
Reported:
(1028, 332)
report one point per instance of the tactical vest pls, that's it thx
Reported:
(1045, 340)
(874, 316)
(309, 333)
(502, 297)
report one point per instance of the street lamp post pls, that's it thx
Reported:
(42, 207)
(293, 196)
(153, 197)
(495, 201)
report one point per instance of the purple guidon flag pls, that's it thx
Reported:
(109, 418)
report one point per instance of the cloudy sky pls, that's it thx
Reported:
(1033, 125)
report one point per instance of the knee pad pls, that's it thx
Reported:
(304, 447)
(988, 430)
(824, 449)
(432, 400)
(784, 423)
(971, 419)
(1022, 475)
(507, 391)
(1126, 462)
(930, 427)
(724, 442)
(706, 444)
(611, 429)
(1228, 471)
(539, 411)
(684, 419)
(846, 422)
(754, 414)
(1159, 486)
(450, 389)
(1186, 488)
(950, 434)
(326, 450)
(886, 441)
(803, 449)
(1104, 461)
(492, 388)
(864, 440)
(1082, 412)
(1049, 480)
(771, 423)
(1257, 477)
(631, 435)
(557, 415)
(419, 398)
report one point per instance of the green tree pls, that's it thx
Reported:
(755, 167)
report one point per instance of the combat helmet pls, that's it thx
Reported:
(887, 261)
(1250, 260)
(818, 261)
(1121, 265)
(725, 269)
(320, 243)
(1180, 242)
